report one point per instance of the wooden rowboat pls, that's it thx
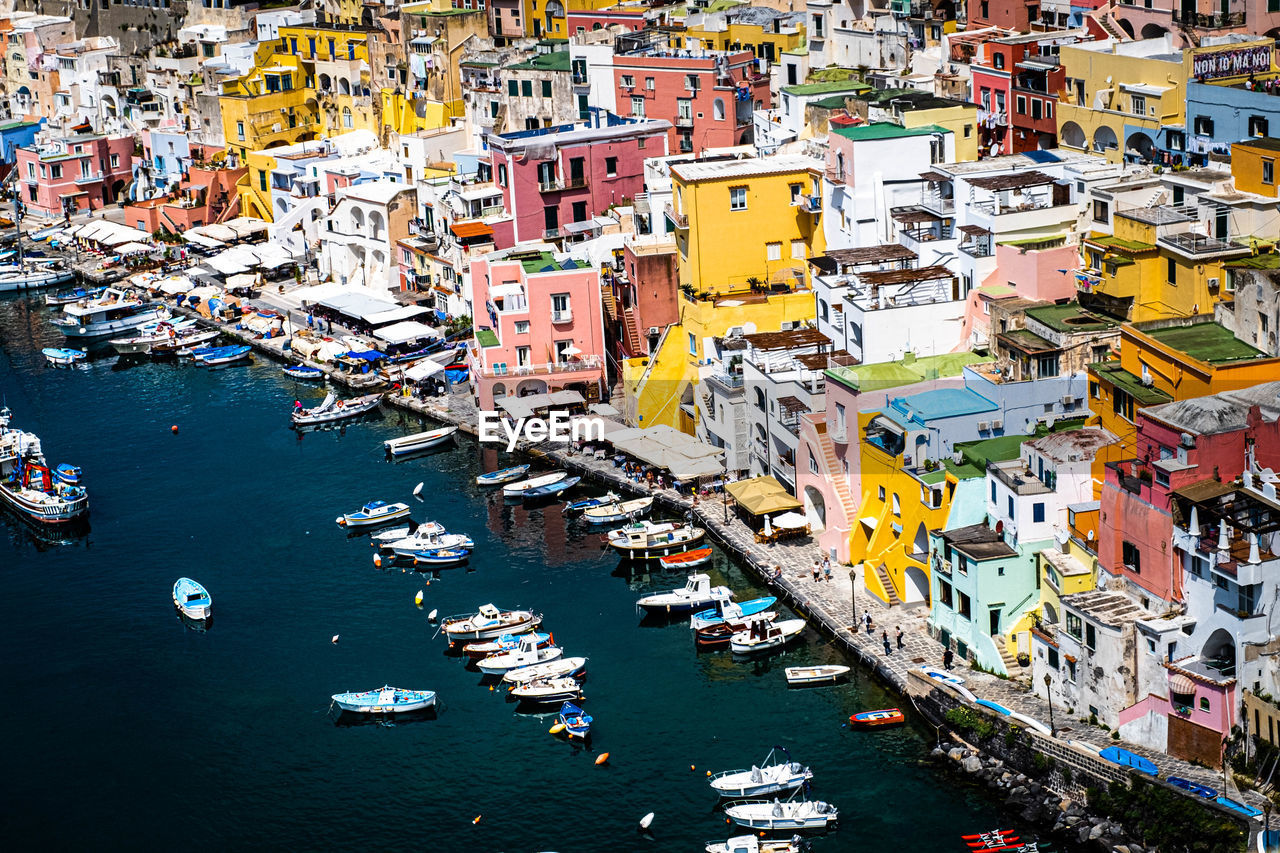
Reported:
(687, 560)
(875, 719)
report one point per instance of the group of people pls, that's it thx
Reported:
(822, 569)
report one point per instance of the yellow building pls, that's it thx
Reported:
(727, 32)
(254, 188)
(1070, 571)
(1253, 165)
(338, 65)
(1119, 94)
(434, 35)
(270, 105)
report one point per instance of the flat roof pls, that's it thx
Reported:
(891, 374)
(1026, 341)
(1109, 241)
(1266, 143)
(1112, 372)
(1206, 342)
(708, 170)
(1070, 318)
(885, 130)
(978, 542)
(826, 87)
(1217, 413)
(938, 404)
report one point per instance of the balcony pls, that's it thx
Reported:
(839, 433)
(684, 121)
(1194, 245)
(786, 470)
(809, 203)
(551, 234)
(680, 220)
(833, 174)
(942, 205)
(550, 185)
(995, 118)
(92, 177)
(562, 317)
(585, 363)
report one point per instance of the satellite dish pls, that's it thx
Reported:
(1061, 536)
(1049, 421)
(1090, 535)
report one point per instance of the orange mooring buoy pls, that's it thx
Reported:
(174, 429)
(604, 756)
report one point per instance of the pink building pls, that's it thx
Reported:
(545, 327)
(829, 440)
(708, 98)
(74, 173)
(1021, 272)
(555, 181)
(584, 20)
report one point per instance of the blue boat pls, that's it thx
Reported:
(590, 503)
(303, 371)
(551, 490)
(225, 355)
(63, 357)
(1125, 758)
(736, 611)
(386, 700)
(999, 709)
(506, 475)
(441, 557)
(192, 599)
(1238, 807)
(576, 722)
(1192, 787)
(69, 474)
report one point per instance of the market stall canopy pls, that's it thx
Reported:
(395, 315)
(525, 407)
(357, 304)
(400, 333)
(174, 285)
(665, 447)
(761, 495)
(194, 236)
(271, 255)
(135, 248)
(111, 233)
(423, 370)
(790, 521)
(244, 226)
(243, 280)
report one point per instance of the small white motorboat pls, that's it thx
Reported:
(617, 512)
(648, 540)
(517, 490)
(428, 537)
(554, 669)
(386, 700)
(774, 815)
(761, 635)
(63, 356)
(332, 409)
(752, 844)
(192, 599)
(489, 622)
(694, 595)
(529, 652)
(560, 689)
(771, 777)
(824, 674)
(374, 512)
(505, 643)
(506, 475)
(418, 441)
(386, 538)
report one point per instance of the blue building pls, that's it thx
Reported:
(15, 135)
(1216, 117)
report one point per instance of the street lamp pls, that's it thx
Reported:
(1048, 683)
(853, 596)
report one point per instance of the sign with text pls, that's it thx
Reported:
(1232, 63)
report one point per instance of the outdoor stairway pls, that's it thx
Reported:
(887, 583)
(610, 304)
(833, 473)
(1010, 660)
(634, 343)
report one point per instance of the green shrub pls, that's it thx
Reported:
(1164, 820)
(967, 721)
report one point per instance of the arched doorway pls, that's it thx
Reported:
(920, 545)
(1219, 652)
(1050, 614)
(1104, 139)
(915, 586)
(1126, 26)
(815, 509)
(1070, 135)
(117, 187)
(1139, 146)
(1153, 31)
(531, 386)
(499, 391)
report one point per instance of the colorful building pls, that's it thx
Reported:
(74, 173)
(270, 105)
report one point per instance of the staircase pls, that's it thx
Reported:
(632, 331)
(833, 473)
(606, 298)
(887, 583)
(1009, 659)
(1157, 198)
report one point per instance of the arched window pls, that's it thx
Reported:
(822, 311)
(717, 109)
(346, 118)
(760, 402)
(840, 166)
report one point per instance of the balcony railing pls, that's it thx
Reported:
(1199, 244)
(684, 121)
(559, 317)
(89, 178)
(590, 362)
(998, 118)
(681, 220)
(551, 185)
(809, 203)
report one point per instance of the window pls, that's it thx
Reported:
(240, 130)
(560, 312)
(1171, 271)
(513, 87)
(55, 171)
(522, 356)
(1047, 365)
(502, 174)
(798, 250)
(897, 505)
(944, 593)
(881, 493)
(1268, 171)
(1204, 703)
(693, 344)
(1021, 103)
(737, 198)
(1122, 404)
(1138, 105)
(773, 251)
(1203, 126)
(1048, 109)
(684, 110)
(1176, 140)
(717, 109)
(813, 465)
(1257, 126)
(964, 606)
(637, 106)
(1131, 556)
(1071, 671)
(1101, 210)
(968, 131)
(526, 88)
(611, 166)
(522, 327)
(628, 82)
(997, 60)
(1036, 110)
(1053, 658)
(115, 161)
(1090, 637)
(346, 117)
(649, 84)
(1074, 625)
(993, 491)
(1037, 511)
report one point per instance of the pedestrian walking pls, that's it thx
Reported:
(884, 636)
(817, 570)
(826, 568)
(311, 321)
(947, 658)
(899, 638)
(866, 620)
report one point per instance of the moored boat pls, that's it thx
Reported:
(149, 335)
(303, 371)
(505, 643)
(575, 667)
(561, 689)
(30, 276)
(419, 441)
(764, 635)
(429, 534)
(506, 475)
(517, 490)
(688, 559)
(647, 540)
(186, 342)
(576, 722)
(775, 815)
(1192, 787)
(441, 557)
(551, 490)
(697, 592)
(770, 777)
(623, 511)
(591, 503)
(227, 355)
(877, 719)
(489, 622)
(111, 312)
(333, 409)
(822, 674)
(1125, 758)
(386, 700)
(734, 612)
(528, 652)
(66, 297)
(752, 844)
(192, 599)
(63, 356)
(28, 486)
(374, 512)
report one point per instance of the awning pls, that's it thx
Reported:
(202, 240)
(465, 230)
(244, 226)
(525, 407)
(884, 423)
(394, 315)
(134, 248)
(422, 370)
(177, 284)
(242, 280)
(761, 495)
(791, 405)
(663, 446)
(400, 333)
(502, 291)
(789, 521)
(1181, 685)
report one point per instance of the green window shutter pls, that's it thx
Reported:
(546, 88)
(513, 88)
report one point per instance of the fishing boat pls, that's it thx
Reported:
(1192, 787)
(333, 409)
(752, 844)
(823, 674)
(562, 689)
(551, 490)
(647, 540)
(697, 592)
(528, 652)
(374, 512)
(30, 276)
(688, 560)
(386, 700)
(149, 335)
(517, 490)
(775, 815)
(625, 511)
(386, 538)
(506, 475)
(505, 643)
(76, 294)
(28, 486)
(591, 503)
(441, 557)
(735, 612)
(111, 312)
(1125, 758)
(574, 667)
(770, 777)
(428, 535)
(63, 357)
(763, 635)
(418, 441)
(226, 355)
(877, 719)
(489, 622)
(576, 722)
(192, 599)
(995, 838)
(186, 343)
(303, 371)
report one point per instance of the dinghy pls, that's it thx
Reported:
(68, 297)
(1237, 806)
(763, 635)
(624, 511)
(529, 652)
(647, 540)
(767, 815)
(575, 667)
(1125, 758)
(752, 844)
(489, 622)
(374, 512)
(418, 441)
(192, 599)
(517, 490)
(333, 409)
(825, 674)
(591, 503)
(1193, 787)
(506, 475)
(576, 722)
(441, 557)
(505, 643)
(731, 611)
(386, 700)
(770, 777)
(687, 560)
(303, 371)
(876, 719)
(697, 592)
(69, 474)
(721, 633)
(560, 689)
(226, 355)
(63, 356)
(551, 490)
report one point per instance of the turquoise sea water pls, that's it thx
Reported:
(128, 730)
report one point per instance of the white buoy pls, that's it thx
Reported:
(417, 490)
(646, 820)
(335, 639)
(417, 599)
(432, 615)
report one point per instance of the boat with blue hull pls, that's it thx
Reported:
(1236, 806)
(76, 294)
(1192, 787)
(731, 611)
(551, 490)
(63, 356)
(373, 513)
(1125, 758)
(506, 475)
(303, 371)
(226, 355)
(576, 722)
(192, 599)
(441, 557)
(386, 700)
(591, 503)
(28, 486)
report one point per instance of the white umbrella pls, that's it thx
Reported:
(768, 526)
(571, 349)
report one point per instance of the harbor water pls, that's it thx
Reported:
(129, 730)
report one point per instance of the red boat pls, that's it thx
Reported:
(687, 559)
(875, 719)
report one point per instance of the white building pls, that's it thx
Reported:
(358, 244)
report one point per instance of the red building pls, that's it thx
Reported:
(708, 97)
(1015, 85)
(556, 181)
(642, 295)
